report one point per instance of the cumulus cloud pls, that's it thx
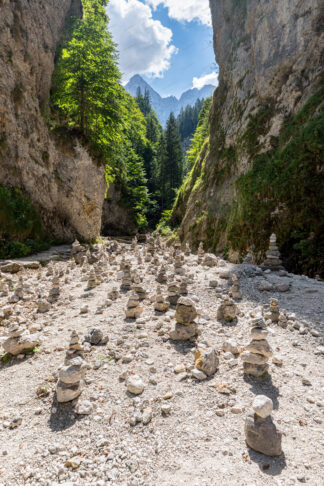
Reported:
(144, 44)
(186, 10)
(211, 78)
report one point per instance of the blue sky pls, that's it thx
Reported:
(168, 42)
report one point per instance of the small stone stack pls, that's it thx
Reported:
(18, 292)
(127, 278)
(69, 386)
(4, 288)
(54, 292)
(19, 340)
(160, 305)
(78, 252)
(100, 273)
(157, 239)
(227, 311)
(272, 261)
(186, 328)
(257, 353)
(201, 253)
(178, 269)
(92, 280)
(134, 310)
(173, 293)
(177, 245)
(162, 276)
(140, 291)
(134, 243)
(183, 287)
(274, 312)
(150, 247)
(187, 249)
(234, 291)
(50, 269)
(261, 434)
(209, 260)
(113, 294)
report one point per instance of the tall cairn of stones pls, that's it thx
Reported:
(274, 312)
(92, 280)
(227, 311)
(187, 249)
(272, 261)
(257, 353)
(261, 433)
(183, 287)
(72, 373)
(133, 310)
(173, 293)
(160, 305)
(178, 269)
(186, 327)
(140, 291)
(201, 253)
(126, 278)
(162, 276)
(234, 291)
(54, 292)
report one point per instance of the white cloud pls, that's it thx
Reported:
(144, 44)
(186, 10)
(211, 78)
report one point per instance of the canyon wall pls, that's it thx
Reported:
(55, 172)
(261, 169)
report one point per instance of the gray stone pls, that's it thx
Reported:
(262, 435)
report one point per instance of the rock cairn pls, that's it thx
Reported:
(69, 385)
(178, 269)
(126, 278)
(134, 310)
(272, 261)
(161, 304)
(183, 287)
(201, 253)
(186, 328)
(257, 353)
(54, 291)
(187, 250)
(209, 260)
(248, 260)
(140, 291)
(113, 294)
(134, 243)
(235, 292)
(150, 247)
(261, 433)
(274, 312)
(19, 340)
(78, 252)
(227, 311)
(162, 275)
(92, 279)
(173, 293)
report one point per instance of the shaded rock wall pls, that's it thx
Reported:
(58, 175)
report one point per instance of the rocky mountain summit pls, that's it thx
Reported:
(104, 386)
(164, 106)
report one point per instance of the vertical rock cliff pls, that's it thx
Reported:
(58, 175)
(261, 170)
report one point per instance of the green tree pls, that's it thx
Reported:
(201, 133)
(86, 80)
(170, 163)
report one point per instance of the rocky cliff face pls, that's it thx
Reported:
(58, 175)
(263, 114)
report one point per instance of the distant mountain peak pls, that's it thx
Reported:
(164, 106)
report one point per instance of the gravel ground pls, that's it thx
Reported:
(200, 439)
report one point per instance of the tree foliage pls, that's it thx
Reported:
(200, 134)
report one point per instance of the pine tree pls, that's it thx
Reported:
(171, 163)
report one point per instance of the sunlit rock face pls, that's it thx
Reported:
(269, 53)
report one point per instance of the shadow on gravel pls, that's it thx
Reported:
(264, 387)
(62, 416)
(182, 346)
(9, 361)
(272, 466)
